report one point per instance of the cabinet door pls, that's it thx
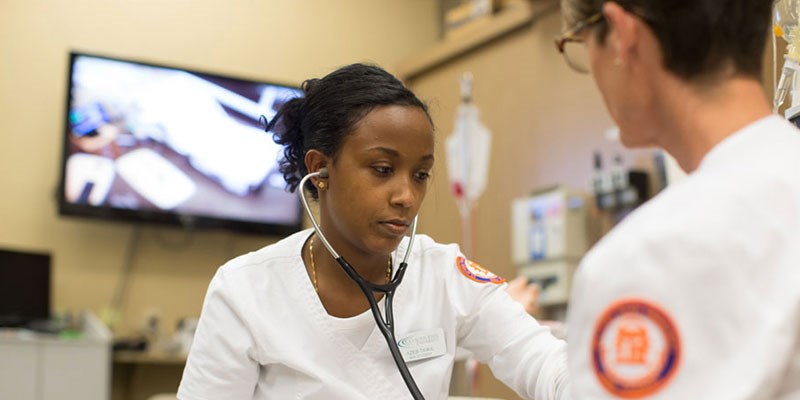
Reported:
(18, 370)
(76, 371)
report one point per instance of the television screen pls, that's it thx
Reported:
(154, 143)
(24, 287)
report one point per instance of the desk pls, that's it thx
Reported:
(139, 375)
(147, 357)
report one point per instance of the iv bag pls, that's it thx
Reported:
(787, 16)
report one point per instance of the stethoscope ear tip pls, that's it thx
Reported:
(323, 172)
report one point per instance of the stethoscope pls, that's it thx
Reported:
(386, 326)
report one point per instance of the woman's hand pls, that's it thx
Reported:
(524, 293)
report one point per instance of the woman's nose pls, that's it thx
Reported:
(404, 194)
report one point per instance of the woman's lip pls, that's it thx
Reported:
(396, 227)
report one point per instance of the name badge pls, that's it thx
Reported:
(423, 344)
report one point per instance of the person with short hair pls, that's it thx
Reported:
(695, 294)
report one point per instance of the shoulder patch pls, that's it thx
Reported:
(475, 272)
(635, 349)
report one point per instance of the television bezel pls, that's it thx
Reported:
(163, 218)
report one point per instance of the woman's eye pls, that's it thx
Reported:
(383, 170)
(423, 176)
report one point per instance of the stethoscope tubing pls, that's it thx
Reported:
(386, 326)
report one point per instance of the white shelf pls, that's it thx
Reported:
(35, 366)
(516, 15)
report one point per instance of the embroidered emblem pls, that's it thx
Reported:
(477, 273)
(635, 349)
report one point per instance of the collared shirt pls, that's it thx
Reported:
(696, 295)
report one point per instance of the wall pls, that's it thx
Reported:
(286, 41)
(545, 119)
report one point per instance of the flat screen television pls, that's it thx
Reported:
(161, 144)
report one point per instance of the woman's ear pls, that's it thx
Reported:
(623, 32)
(315, 161)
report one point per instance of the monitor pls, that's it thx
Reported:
(24, 287)
(146, 142)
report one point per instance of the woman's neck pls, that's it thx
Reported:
(693, 120)
(340, 295)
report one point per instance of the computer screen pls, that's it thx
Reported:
(24, 287)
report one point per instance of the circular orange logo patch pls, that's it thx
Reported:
(477, 273)
(635, 349)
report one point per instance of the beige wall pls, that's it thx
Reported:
(286, 41)
(545, 121)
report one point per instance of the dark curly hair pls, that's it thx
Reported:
(330, 109)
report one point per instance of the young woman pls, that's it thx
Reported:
(286, 322)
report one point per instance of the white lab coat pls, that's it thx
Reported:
(696, 295)
(263, 333)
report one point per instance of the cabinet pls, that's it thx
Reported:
(35, 366)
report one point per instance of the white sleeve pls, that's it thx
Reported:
(221, 362)
(521, 353)
(715, 309)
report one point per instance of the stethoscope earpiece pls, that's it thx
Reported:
(321, 174)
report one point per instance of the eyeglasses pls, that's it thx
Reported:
(571, 45)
